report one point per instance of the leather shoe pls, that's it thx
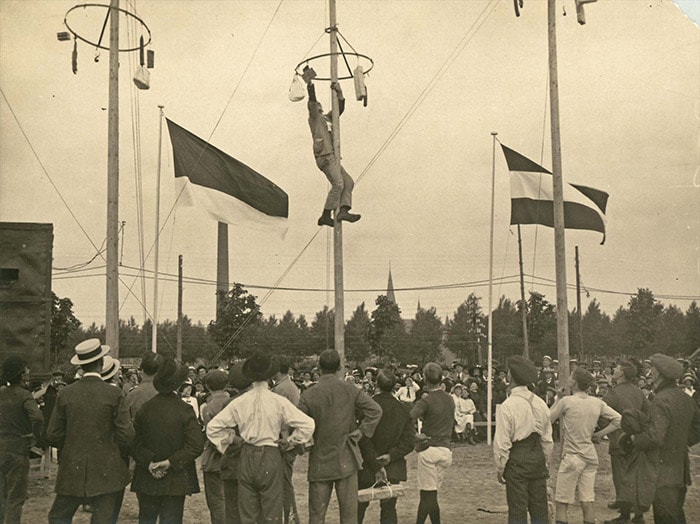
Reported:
(613, 505)
(347, 216)
(325, 220)
(618, 520)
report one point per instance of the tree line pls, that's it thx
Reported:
(643, 327)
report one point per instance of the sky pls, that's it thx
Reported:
(446, 75)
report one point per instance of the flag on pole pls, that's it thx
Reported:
(228, 190)
(532, 201)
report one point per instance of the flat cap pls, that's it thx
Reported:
(668, 367)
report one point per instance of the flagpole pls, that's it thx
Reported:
(558, 195)
(154, 331)
(523, 303)
(337, 227)
(112, 284)
(489, 394)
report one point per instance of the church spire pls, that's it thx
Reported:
(390, 288)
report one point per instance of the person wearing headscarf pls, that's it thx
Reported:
(168, 440)
(20, 422)
(673, 426)
(522, 446)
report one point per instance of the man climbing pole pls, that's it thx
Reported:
(342, 183)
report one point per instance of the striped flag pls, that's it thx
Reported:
(532, 202)
(228, 190)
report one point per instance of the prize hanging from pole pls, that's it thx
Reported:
(72, 23)
(362, 63)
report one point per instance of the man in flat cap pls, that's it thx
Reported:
(20, 421)
(579, 414)
(674, 425)
(90, 422)
(522, 446)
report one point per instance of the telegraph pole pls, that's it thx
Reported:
(337, 226)
(558, 193)
(112, 296)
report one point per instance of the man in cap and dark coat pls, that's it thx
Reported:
(90, 422)
(522, 446)
(674, 425)
(168, 440)
(625, 395)
(20, 421)
(259, 414)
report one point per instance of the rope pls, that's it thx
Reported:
(468, 36)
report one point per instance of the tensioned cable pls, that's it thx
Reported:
(58, 192)
(43, 168)
(466, 39)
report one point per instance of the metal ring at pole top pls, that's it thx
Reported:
(299, 72)
(97, 45)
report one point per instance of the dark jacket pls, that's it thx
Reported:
(622, 397)
(335, 406)
(674, 425)
(167, 428)
(394, 435)
(20, 419)
(90, 422)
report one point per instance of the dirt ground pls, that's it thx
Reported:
(470, 493)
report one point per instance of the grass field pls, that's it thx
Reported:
(470, 493)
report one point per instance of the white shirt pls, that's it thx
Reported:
(259, 415)
(407, 393)
(516, 421)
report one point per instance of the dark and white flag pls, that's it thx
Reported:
(227, 189)
(532, 202)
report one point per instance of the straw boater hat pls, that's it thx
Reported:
(259, 367)
(170, 376)
(110, 368)
(88, 351)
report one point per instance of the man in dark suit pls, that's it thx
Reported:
(90, 422)
(384, 453)
(168, 440)
(335, 457)
(674, 425)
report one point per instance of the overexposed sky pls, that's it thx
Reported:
(447, 74)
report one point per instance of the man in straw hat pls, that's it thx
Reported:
(674, 425)
(90, 422)
(260, 415)
(523, 445)
(336, 405)
(20, 421)
(579, 414)
(168, 440)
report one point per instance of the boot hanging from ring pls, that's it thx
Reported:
(142, 77)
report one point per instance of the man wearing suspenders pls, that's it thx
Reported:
(522, 446)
